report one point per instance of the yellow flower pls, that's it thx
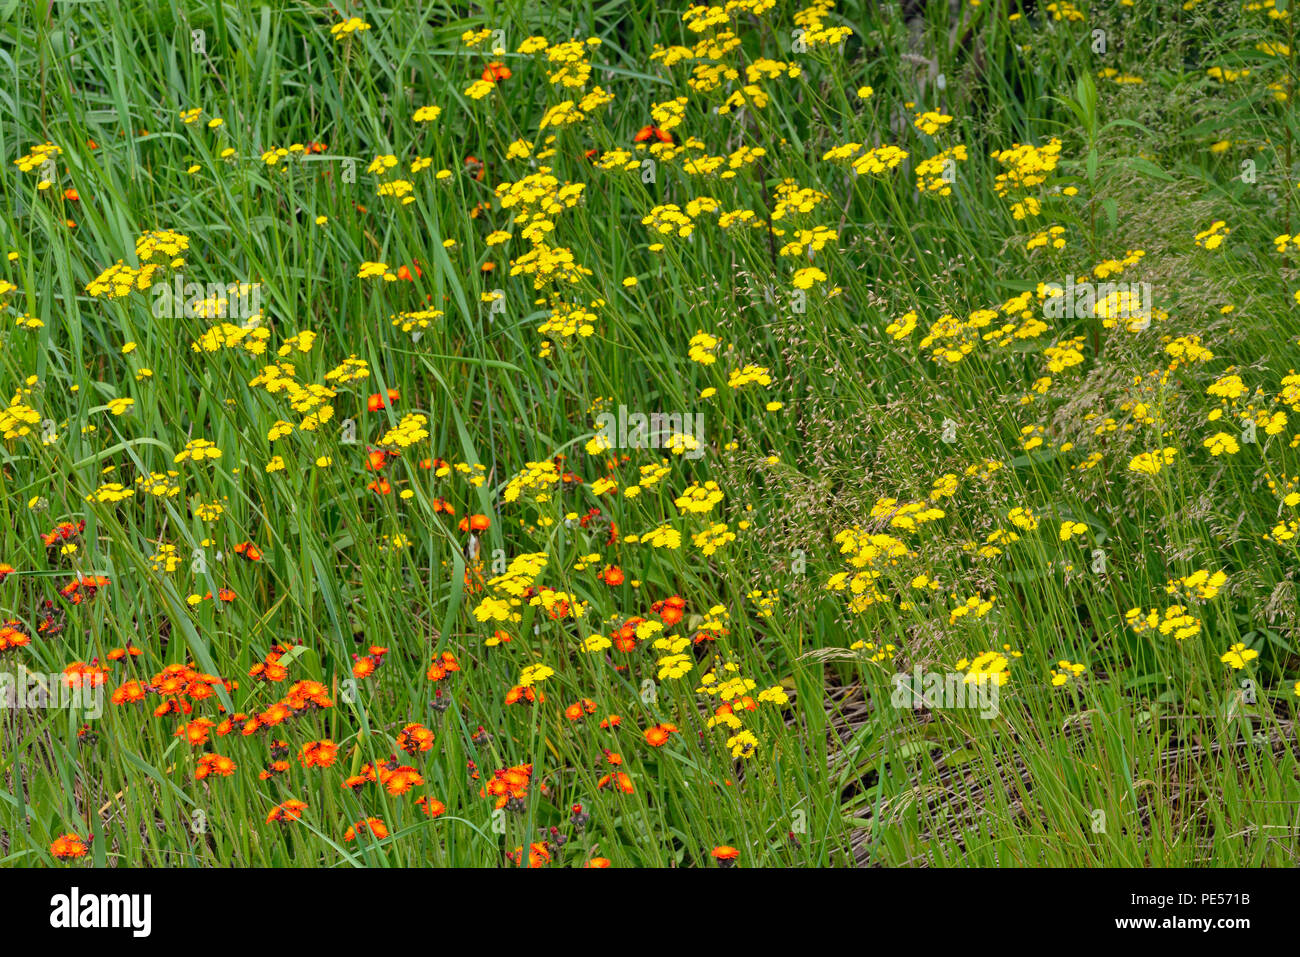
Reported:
(1238, 655)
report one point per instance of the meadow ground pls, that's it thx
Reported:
(636, 434)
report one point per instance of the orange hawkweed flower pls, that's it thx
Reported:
(217, 764)
(401, 780)
(442, 666)
(304, 693)
(318, 754)
(619, 780)
(508, 784)
(63, 532)
(431, 806)
(248, 551)
(290, 810)
(84, 588)
(13, 636)
(475, 523)
(196, 732)
(600, 862)
(68, 846)
(651, 132)
(374, 825)
(495, 72)
(415, 738)
(725, 855)
(378, 401)
(624, 636)
(538, 855)
(6, 570)
(129, 693)
(580, 709)
(613, 575)
(272, 769)
(657, 736)
(670, 610)
(82, 675)
(404, 272)
(269, 670)
(519, 693)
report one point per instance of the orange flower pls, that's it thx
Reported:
(725, 854)
(372, 824)
(81, 675)
(62, 532)
(619, 780)
(214, 764)
(431, 806)
(303, 694)
(580, 709)
(652, 132)
(6, 570)
(290, 810)
(519, 693)
(130, 692)
(613, 575)
(377, 401)
(272, 769)
(442, 666)
(318, 754)
(415, 738)
(68, 846)
(670, 610)
(476, 523)
(84, 588)
(196, 732)
(597, 862)
(495, 72)
(624, 636)
(248, 551)
(657, 736)
(508, 784)
(538, 855)
(270, 670)
(401, 780)
(12, 635)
